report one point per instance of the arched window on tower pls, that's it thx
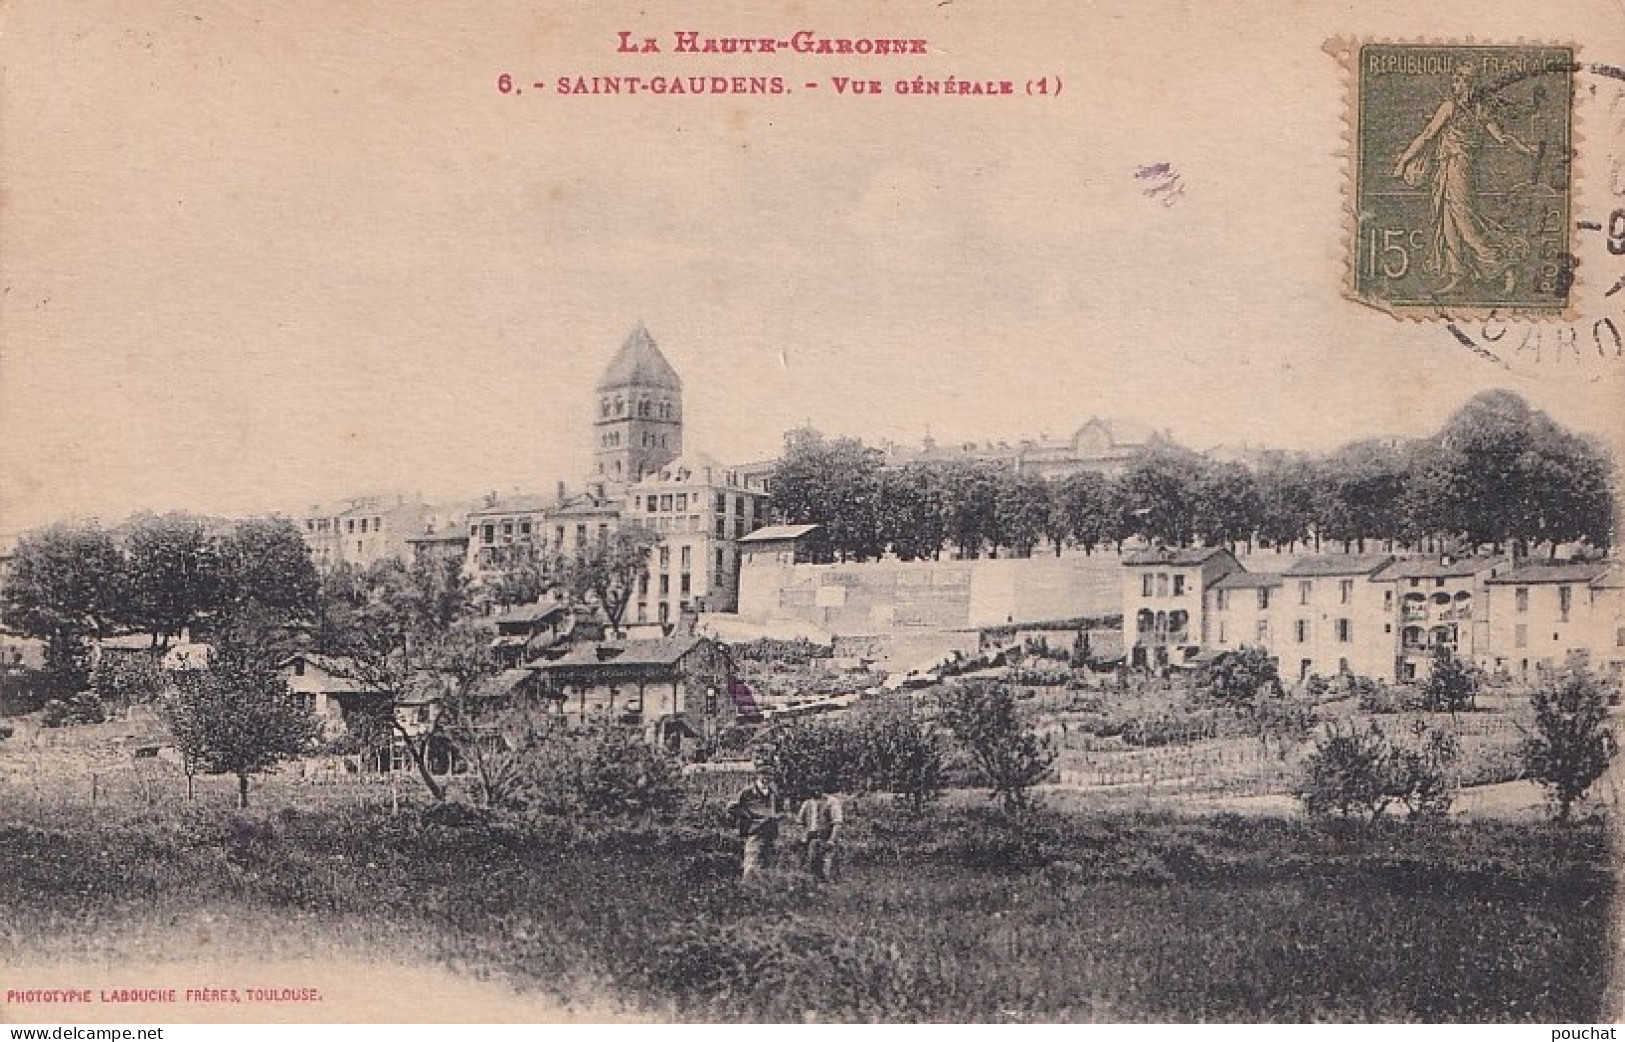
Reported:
(620, 405)
(606, 407)
(643, 407)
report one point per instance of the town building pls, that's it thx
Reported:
(1245, 607)
(1165, 597)
(1438, 602)
(639, 424)
(1336, 622)
(700, 510)
(1540, 616)
(362, 531)
(679, 689)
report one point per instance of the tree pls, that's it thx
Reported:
(609, 570)
(900, 753)
(910, 515)
(237, 717)
(970, 491)
(1364, 493)
(1356, 775)
(1159, 495)
(64, 579)
(1572, 744)
(1452, 683)
(174, 574)
(1228, 507)
(519, 573)
(1287, 500)
(1090, 508)
(1011, 756)
(266, 573)
(1021, 512)
(834, 483)
(1235, 678)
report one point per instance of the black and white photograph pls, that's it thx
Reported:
(825, 512)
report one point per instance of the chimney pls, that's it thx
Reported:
(561, 493)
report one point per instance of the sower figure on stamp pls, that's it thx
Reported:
(1466, 243)
(756, 813)
(821, 817)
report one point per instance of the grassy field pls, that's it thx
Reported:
(1082, 916)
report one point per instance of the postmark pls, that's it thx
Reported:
(1462, 201)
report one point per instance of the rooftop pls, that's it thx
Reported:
(662, 651)
(639, 362)
(1439, 567)
(1337, 564)
(1184, 556)
(1531, 574)
(1249, 580)
(773, 533)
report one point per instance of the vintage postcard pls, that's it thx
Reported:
(850, 511)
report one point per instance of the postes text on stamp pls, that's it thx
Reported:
(1462, 179)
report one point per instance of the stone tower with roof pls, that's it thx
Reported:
(638, 418)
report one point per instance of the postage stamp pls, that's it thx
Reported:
(1463, 181)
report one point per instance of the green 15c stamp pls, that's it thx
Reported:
(1462, 179)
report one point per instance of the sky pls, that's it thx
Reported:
(259, 256)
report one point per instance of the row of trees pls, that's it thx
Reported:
(1498, 473)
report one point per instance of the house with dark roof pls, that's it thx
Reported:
(1333, 620)
(1438, 601)
(1243, 607)
(1165, 620)
(525, 630)
(1542, 615)
(679, 690)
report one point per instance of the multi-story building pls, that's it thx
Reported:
(1438, 602)
(700, 510)
(639, 423)
(363, 531)
(1165, 621)
(1541, 615)
(501, 524)
(1245, 607)
(1334, 620)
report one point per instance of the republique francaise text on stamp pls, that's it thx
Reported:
(1463, 185)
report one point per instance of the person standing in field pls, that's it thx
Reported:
(821, 818)
(756, 812)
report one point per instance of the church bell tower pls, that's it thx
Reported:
(639, 414)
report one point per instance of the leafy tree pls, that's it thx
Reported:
(238, 717)
(174, 573)
(1090, 509)
(1237, 678)
(519, 573)
(804, 757)
(67, 663)
(1011, 756)
(66, 583)
(1356, 775)
(1159, 495)
(834, 483)
(900, 753)
(608, 570)
(1452, 683)
(1228, 507)
(266, 573)
(601, 771)
(124, 680)
(1021, 511)
(1288, 500)
(971, 504)
(911, 515)
(1365, 492)
(1572, 744)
